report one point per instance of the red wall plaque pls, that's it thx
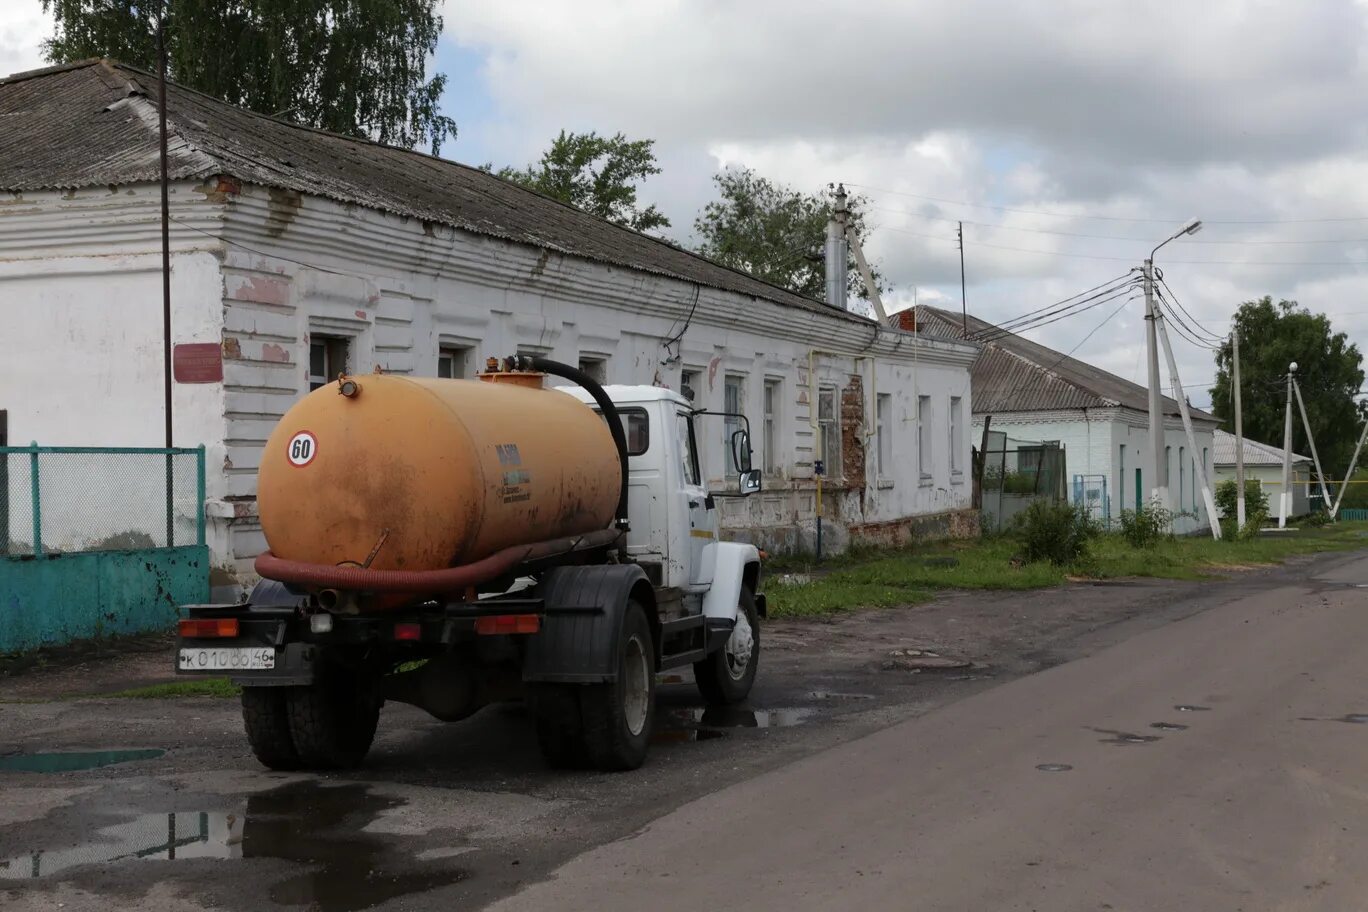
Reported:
(197, 362)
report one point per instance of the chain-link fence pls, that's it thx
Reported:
(1016, 473)
(67, 500)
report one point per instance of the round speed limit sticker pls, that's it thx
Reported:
(302, 449)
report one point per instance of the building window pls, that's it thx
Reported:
(453, 363)
(688, 385)
(956, 422)
(771, 427)
(1182, 470)
(1166, 479)
(924, 437)
(829, 426)
(733, 400)
(595, 367)
(328, 357)
(1121, 479)
(883, 433)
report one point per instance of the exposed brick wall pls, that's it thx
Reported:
(852, 437)
(900, 533)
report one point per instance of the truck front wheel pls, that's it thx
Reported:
(727, 675)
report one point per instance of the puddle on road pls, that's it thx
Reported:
(1168, 726)
(72, 761)
(836, 695)
(699, 723)
(1053, 767)
(1191, 708)
(317, 827)
(1351, 718)
(1124, 738)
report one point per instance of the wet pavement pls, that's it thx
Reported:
(150, 804)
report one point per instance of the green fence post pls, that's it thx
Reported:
(170, 502)
(199, 492)
(37, 504)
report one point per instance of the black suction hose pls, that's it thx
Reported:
(610, 413)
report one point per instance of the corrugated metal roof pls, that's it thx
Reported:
(95, 123)
(1255, 453)
(1014, 374)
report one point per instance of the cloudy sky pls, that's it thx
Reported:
(1069, 136)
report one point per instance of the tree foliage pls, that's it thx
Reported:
(1329, 372)
(356, 67)
(776, 233)
(598, 174)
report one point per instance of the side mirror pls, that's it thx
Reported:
(741, 451)
(750, 481)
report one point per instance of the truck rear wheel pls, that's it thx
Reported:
(617, 717)
(333, 720)
(267, 721)
(727, 675)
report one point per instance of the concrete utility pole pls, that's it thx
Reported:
(836, 252)
(1285, 498)
(1239, 430)
(1159, 489)
(1311, 442)
(875, 300)
(1159, 484)
(1353, 464)
(1198, 467)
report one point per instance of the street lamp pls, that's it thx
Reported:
(1159, 490)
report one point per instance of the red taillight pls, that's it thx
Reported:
(508, 623)
(208, 628)
(408, 631)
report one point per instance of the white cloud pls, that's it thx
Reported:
(23, 26)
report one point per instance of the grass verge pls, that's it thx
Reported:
(195, 687)
(880, 579)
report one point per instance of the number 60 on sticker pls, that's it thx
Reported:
(301, 449)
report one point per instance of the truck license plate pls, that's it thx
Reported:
(242, 658)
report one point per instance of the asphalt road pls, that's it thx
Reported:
(1217, 762)
(857, 775)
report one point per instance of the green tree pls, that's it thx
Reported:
(357, 68)
(776, 233)
(1329, 372)
(598, 174)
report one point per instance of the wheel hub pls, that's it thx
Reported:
(636, 686)
(740, 646)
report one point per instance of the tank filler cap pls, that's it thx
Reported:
(348, 387)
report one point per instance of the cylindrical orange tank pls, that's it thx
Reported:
(424, 474)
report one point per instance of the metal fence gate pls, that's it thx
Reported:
(97, 541)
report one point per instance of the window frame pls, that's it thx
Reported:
(831, 462)
(332, 345)
(883, 434)
(924, 467)
(770, 404)
(731, 423)
(956, 419)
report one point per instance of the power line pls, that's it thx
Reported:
(1020, 325)
(1113, 237)
(1112, 281)
(1107, 218)
(1127, 292)
(1131, 259)
(1197, 324)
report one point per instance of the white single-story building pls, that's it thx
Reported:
(1264, 464)
(298, 254)
(1100, 420)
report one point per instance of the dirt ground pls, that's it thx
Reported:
(460, 814)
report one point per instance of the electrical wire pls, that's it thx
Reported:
(1011, 403)
(1110, 237)
(1125, 291)
(274, 256)
(1107, 218)
(1052, 308)
(1193, 322)
(1180, 326)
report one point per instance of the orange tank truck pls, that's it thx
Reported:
(407, 474)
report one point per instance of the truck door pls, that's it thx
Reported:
(696, 542)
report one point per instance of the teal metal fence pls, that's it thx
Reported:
(1357, 514)
(97, 541)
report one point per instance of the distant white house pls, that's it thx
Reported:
(1100, 420)
(1263, 463)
